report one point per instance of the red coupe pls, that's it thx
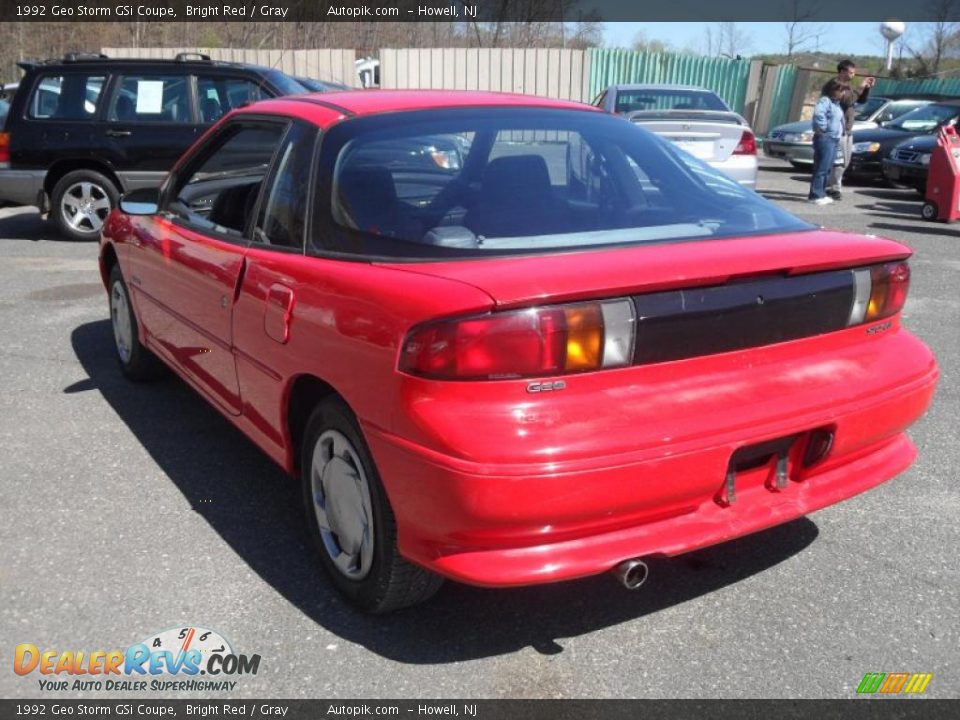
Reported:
(509, 340)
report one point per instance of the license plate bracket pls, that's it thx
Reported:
(770, 456)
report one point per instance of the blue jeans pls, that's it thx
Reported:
(824, 153)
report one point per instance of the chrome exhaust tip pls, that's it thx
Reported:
(631, 573)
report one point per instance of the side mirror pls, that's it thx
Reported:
(144, 201)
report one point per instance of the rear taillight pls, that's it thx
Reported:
(4, 149)
(747, 144)
(880, 292)
(523, 343)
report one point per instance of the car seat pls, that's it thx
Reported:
(368, 196)
(233, 206)
(125, 111)
(516, 199)
(210, 110)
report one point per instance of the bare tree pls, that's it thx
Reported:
(642, 43)
(731, 41)
(800, 30)
(929, 51)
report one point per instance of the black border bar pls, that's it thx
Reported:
(338, 709)
(483, 11)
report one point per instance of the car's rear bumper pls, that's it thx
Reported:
(791, 152)
(21, 187)
(502, 524)
(742, 168)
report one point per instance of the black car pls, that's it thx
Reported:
(909, 163)
(871, 147)
(84, 129)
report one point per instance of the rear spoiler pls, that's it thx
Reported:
(703, 115)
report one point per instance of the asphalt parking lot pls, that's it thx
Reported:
(127, 510)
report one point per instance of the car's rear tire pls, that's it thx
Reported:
(350, 519)
(929, 211)
(136, 362)
(81, 202)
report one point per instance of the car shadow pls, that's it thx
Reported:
(904, 195)
(255, 508)
(922, 227)
(28, 225)
(887, 206)
(781, 169)
(783, 196)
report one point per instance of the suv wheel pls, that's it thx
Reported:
(81, 202)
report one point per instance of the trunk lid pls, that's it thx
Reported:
(609, 273)
(708, 135)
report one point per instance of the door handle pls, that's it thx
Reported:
(119, 133)
(278, 312)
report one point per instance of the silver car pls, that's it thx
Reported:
(793, 142)
(694, 119)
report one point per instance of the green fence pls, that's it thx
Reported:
(944, 87)
(727, 78)
(783, 89)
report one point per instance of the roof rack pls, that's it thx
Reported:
(186, 56)
(79, 56)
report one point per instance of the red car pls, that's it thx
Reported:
(546, 345)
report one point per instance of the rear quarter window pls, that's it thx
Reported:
(66, 97)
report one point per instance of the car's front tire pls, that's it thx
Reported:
(350, 518)
(81, 202)
(136, 362)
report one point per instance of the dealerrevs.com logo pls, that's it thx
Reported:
(166, 661)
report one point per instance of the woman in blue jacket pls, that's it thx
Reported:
(827, 131)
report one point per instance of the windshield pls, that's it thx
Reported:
(667, 99)
(863, 111)
(926, 118)
(492, 180)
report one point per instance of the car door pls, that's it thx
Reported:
(265, 315)
(151, 120)
(60, 118)
(185, 273)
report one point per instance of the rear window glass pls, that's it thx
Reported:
(658, 100)
(66, 97)
(488, 181)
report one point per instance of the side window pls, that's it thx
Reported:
(66, 97)
(152, 98)
(284, 211)
(219, 95)
(219, 187)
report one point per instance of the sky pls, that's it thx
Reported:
(854, 38)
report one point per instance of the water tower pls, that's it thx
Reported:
(891, 30)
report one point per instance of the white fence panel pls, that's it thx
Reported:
(554, 72)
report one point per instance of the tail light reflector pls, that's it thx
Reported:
(532, 342)
(880, 291)
(4, 149)
(747, 144)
